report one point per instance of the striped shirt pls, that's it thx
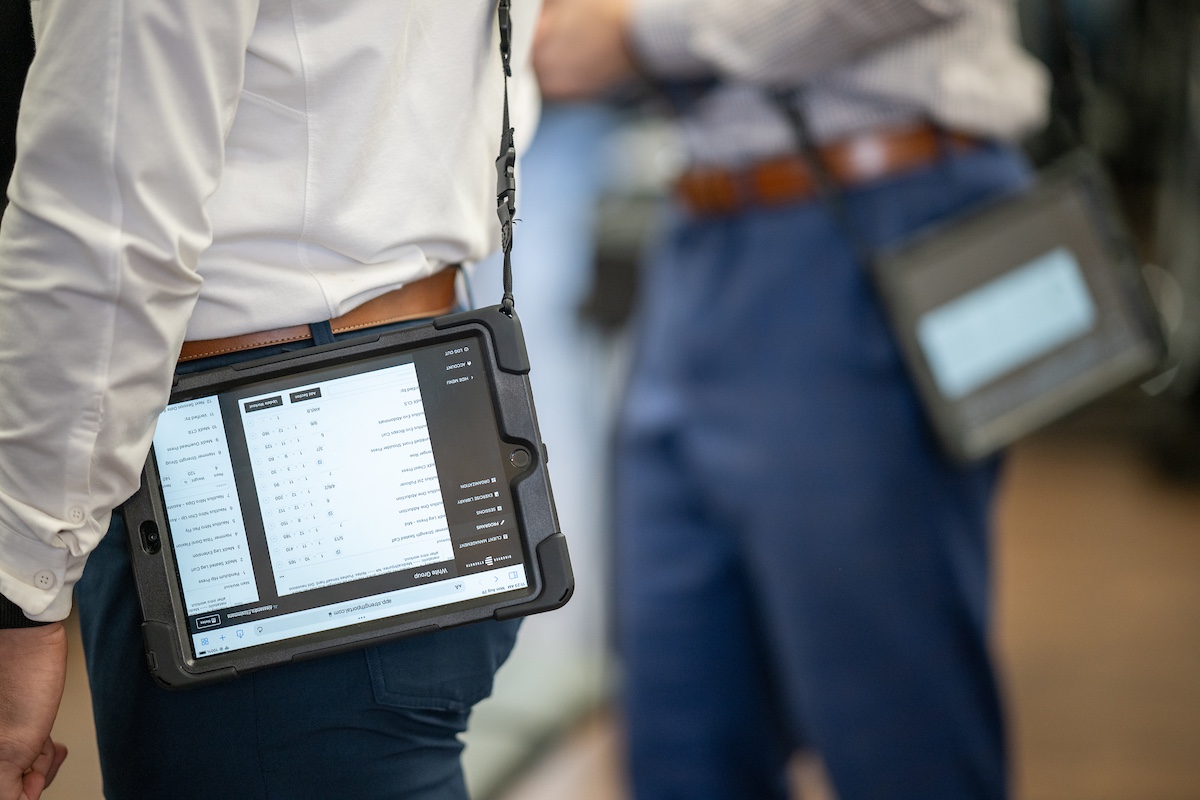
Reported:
(864, 64)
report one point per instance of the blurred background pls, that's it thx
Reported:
(1098, 521)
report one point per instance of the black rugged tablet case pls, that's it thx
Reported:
(548, 561)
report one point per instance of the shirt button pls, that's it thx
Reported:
(45, 579)
(75, 514)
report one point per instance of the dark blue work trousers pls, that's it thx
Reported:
(375, 724)
(798, 565)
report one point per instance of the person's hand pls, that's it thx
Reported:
(580, 49)
(33, 669)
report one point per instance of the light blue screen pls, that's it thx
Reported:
(1006, 323)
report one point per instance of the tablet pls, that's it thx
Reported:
(1023, 312)
(342, 495)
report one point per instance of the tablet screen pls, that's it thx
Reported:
(1006, 323)
(356, 493)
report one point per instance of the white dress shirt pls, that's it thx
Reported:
(865, 64)
(216, 167)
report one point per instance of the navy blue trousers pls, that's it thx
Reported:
(798, 565)
(369, 725)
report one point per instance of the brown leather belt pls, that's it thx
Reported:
(427, 297)
(855, 160)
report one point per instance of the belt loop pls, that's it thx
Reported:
(322, 333)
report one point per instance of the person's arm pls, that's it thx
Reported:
(32, 673)
(587, 46)
(772, 41)
(120, 142)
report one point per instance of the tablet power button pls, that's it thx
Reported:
(520, 458)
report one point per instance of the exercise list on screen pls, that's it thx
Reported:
(346, 479)
(209, 534)
(340, 512)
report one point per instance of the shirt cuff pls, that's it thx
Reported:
(660, 35)
(36, 576)
(13, 616)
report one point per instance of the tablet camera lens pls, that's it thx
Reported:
(151, 540)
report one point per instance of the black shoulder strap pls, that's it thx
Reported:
(790, 103)
(506, 164)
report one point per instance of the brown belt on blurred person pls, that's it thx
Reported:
(427, 297)
(852, 161)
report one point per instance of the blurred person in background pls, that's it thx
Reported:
(798, 565)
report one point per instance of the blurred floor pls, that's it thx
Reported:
(1099, 625)
(1098, 632)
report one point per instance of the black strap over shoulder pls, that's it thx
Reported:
(506, 163)
(790, 103)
